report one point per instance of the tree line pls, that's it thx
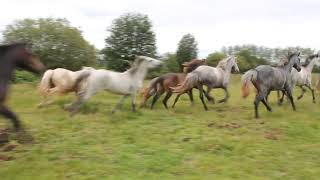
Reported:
(61, 45)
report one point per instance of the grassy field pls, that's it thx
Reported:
(183, 143)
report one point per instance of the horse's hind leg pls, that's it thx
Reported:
(120, 104)
(302, 93)
(6, 112)
(201, 97)
(177, 98)
(280, 99)
(259, 97)
(312, 92)
(156, 97)
(166, 98)
(225, 99)
(48, 99)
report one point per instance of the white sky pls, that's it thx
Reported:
(272, 23)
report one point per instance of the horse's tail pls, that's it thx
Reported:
(189, 82)
(149, 91)
(45, 83)
(83, 75)
(250, 75)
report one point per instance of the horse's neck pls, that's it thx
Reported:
(226, 73)
(6, 69)
(310, 66)
(139, 74)
(288, 67)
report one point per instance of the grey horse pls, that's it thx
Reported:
(266, 78)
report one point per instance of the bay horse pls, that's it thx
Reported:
(266, 78)
(60, 81)
(126, 83)
(303, 78)
(164, 83)
(12, 56)
(212, 77)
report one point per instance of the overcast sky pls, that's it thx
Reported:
(272, 23)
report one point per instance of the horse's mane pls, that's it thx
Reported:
(135, 65)
(222, 64)
(284, 60)
(309, 58)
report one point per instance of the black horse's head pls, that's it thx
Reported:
(19, 54)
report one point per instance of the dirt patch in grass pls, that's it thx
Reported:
(273, 134)
(6, 158)
(231, 125)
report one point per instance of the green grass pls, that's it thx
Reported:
(185, 143)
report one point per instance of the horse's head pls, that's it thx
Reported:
(294, 58)
(192, 65)
(24, 59)
(229, 63)
(148, 62)
(234, 68)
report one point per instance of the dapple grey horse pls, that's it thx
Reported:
(266, 78)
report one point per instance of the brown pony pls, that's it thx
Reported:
(14, 56)
(162, 84)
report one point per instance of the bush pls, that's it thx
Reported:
(23, 77)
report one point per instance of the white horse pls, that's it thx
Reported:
(60, 81)
(126, 83)
(212, 77)
(304, 77)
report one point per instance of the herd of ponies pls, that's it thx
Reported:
(283, 78)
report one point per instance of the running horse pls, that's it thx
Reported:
(14, 56)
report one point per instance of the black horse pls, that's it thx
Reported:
(14, 56)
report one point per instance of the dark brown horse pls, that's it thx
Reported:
(164, 83)
(14, 56)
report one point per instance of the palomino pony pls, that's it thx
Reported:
(304, 77)
(163, 83)
(60, 81)
(212, 77)
(266, 78)
(126, 83)
(11, 57)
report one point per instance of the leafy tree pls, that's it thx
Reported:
(247, 61)
(170, 63)
(55, 41)
(130, 34)
(214, 58)
(187, 49)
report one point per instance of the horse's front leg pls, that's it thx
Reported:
(207, 94)
(120, 103)
(226, 95)
(6, 112)
(133, 101)
(289, 94)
